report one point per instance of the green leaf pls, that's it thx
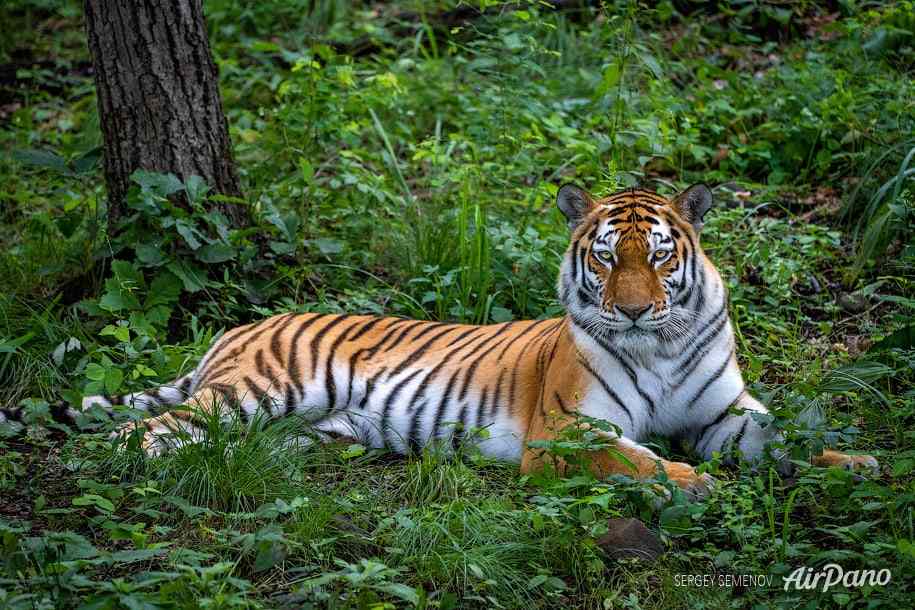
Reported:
(121, 333)
(268, 556)
(192, 277)
(164, 289)
(196, 189)
(354, 450)
(132, 555)
(675, 518)
(903, 466)
(500, 314)
(216, 253)
(9, 346)
(118, 301)
(95, 372)
(328, 246)
(150, 254)
(88, 161)
(856, 376)
(904, 338)
(162, 185)
(41, 158)
(113, 379)
(408, 594)
(100, 503)
(187, 231)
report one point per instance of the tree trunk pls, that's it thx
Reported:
(158, 96)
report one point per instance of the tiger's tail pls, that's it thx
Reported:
(153, 401)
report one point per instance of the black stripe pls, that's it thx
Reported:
(712, 424)
(370, 351)
(264, 369)
(562, 406)
(424, 384)
(413, 440)
(403, 334)
(529, 328)
(442, 404)
(483, 343)
(418, 353)
(330, 385)
(429, 328)
(264, 326)
(715, 376)
(739, 436)
(293, 367)
(389, 402)
(575, 260)
(256, 390)
(698, 352)
(230, 397)
(290, 400)
(512, 388)
(606, 387)
(195, 421)
(543, 366)
(315, 343)
(626, 367)
(366, 328)
(473, 368)
(459, 428)
(498, 395)
(370, 386)
(275, 347)
(481, 406)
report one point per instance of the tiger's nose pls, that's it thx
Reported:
(633, 312)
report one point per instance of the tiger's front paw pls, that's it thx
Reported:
(862, 464)
(696, 486)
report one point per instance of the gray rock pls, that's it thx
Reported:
(629, 538)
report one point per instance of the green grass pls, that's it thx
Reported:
(398, 166)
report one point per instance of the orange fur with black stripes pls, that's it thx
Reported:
(646, 343)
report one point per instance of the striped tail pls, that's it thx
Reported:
(152, 401)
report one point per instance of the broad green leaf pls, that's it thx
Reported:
(99, 502)
(95, 372)
(216, 253)
(192, 277)
(162, 185)
(113, 379)
(196, 189)
(41, 158)
(328, 246)
(150, 254)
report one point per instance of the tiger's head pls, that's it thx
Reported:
(634, 263)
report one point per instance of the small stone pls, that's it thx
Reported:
(629, 538)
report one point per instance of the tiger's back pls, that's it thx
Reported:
(388, 382)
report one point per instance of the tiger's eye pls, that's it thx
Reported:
(605, 256)
(660, 255)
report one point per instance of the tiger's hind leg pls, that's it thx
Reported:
(178, 427)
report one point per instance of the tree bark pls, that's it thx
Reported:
(158, 97)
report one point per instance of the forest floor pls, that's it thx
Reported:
(406, 162)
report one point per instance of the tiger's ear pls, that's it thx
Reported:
(693, 203)
(575, 203)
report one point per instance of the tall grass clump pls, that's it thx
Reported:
(477, 549)
(232, 466)
(887, 216)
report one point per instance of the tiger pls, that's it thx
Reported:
(646, 343)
